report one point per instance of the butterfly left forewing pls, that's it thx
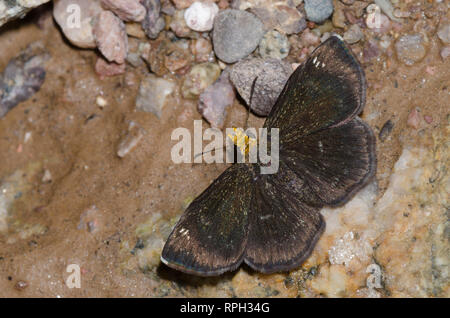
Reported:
(211, 235)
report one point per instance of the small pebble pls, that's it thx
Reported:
(127, 10)
(23, 77)
(200, 16)
(318, 10)
(153, 22)
(179, 27)
(111, 37)
(182, 4)
(135, 30)
(101, 102)
(236, 34)
(386, 130)
(445, 52)
(338, 18)
(272, 75)
(428, 119)
(413, 119)
(153, 94)
(444, 32)
(106, 69)
(376, 21)
(202, 50)
(354, 34)
(47, 177)
(130, 140)
(274, 45)
(199, 78)
(280, 16)
(21, 285)
(215, 100)
(176, 60)
(410, 48)
(370, 50)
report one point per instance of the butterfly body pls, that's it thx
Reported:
(272, 221)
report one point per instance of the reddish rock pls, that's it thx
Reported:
(413, 119)
(105, 69)
(127, 10)
(111, 37)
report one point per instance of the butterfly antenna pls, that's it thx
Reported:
(252, 89)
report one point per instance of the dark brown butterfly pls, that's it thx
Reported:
(272, 221)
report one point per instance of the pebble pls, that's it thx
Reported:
(153, 94)
(370, 50)
(272, 75)
(215, 100)
(130, 140)
(199, 78)
(338, 18)
(236, 34)
(202, 50)
(101, 102)
(106, 69)
(388, 9)
(135, 30)
(386, 130)
(274, 45)
(47, 177)
(153, 22)
(444, 32)
(376, 21)
(200, 16)
(127, 10)
(21, 285)
(176, 60)
(280, 16)
(353, 34)
(348, 2)
(64, 12)
(179, 27)
(318, 10)
(413, 119)
(410, 48)
(182, 4)
(111, 37)
(22, 77)
(445, 52)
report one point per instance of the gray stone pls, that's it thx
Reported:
(274, 45)
(354, 34)
(236, 34)
(410, 48)
(153, 22)
(13, 9)
(153, 93)
(215, 100)
(318, 10)
(272, 75)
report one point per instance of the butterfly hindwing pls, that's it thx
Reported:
(211, 235)
(333, 163)
(283, 230)
(327, 90)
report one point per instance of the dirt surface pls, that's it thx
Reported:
(76, 140)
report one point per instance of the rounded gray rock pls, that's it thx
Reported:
(318, 10)
(272, 76)
(236, 34)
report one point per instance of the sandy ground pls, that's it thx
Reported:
(76, 140)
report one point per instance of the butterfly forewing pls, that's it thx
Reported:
(328, 90)
(211, 235)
